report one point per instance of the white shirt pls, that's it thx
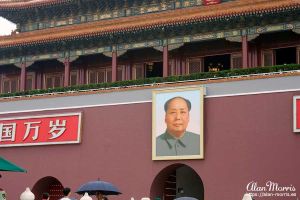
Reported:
(65, 198)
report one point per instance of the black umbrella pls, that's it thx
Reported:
(98, 188)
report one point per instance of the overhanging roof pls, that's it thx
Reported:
(148, 21)
(23, 4)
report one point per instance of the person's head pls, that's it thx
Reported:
(67, 191)
(45, 196)
(177, 115)
(2, 194)
(99, 196)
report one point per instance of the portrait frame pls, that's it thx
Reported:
(194, 94)
(296, 114)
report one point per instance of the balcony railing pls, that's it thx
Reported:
(203, 76)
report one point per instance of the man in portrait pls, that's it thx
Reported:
(176, 140)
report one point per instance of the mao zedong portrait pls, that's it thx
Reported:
(176, 140)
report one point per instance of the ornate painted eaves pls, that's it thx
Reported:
(150, 21)
(23, 4)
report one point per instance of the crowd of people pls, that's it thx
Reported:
(66, 193)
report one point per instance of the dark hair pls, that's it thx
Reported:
(66, 191)
(188, 103)
(45, 195)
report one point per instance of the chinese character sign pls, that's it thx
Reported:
(297, 114)
(40, 130)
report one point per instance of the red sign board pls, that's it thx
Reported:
(297, 114)
(40, 130)
(211, 2)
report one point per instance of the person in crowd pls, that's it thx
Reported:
(45, 196)
(67, 193)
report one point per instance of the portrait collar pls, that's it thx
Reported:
(171, 141)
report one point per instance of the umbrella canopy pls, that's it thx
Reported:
(96, 187)
(6, 165)
(185, 198)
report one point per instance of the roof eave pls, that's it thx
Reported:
(9, 5)
(155, 20)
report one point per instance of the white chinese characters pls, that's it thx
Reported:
(31, 130)
(35, 127)
(8, 132)
(57, 129)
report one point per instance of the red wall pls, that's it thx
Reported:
(247, 138)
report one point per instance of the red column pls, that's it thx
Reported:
(39, 76)
(114, 67)
(165, 61)
(67, 72)
(259, 59)
(245, 51)
(23, 77)
(254, 58)
(128, 71)
(178, 66)
(183, 68)
(82, 73)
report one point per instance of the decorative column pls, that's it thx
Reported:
(165, 61)
(23, 77)
(82, 74)
(176, 63)
(245, 51)
(172, 67)
(67, 72)
(39, 79)
(183, 66)
(129, 70)
(254, 57)
(114, 66)
(259, 56)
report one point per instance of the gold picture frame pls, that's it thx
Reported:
(178, 111)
